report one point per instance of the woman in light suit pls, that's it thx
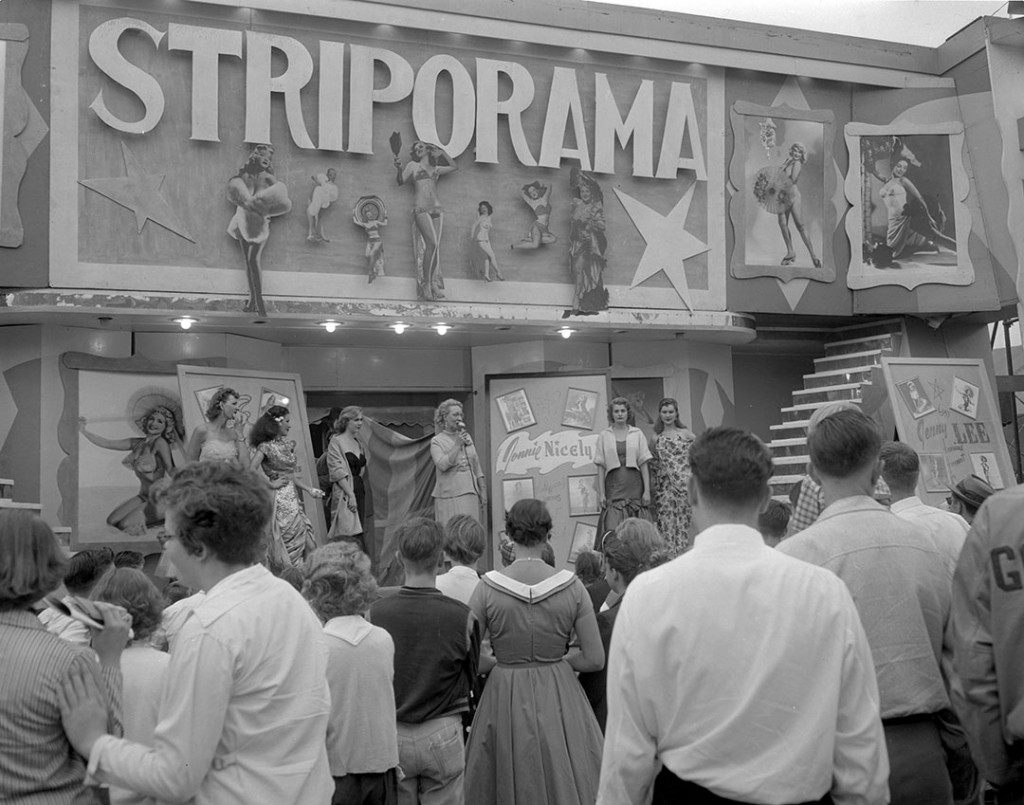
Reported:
(460, 485)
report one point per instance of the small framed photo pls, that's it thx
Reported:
(513, 489)
(269, 397)
(583, 538)
(515, 410)
(583, 495)
(985, 467)
(934, 472)
(914, 397)
(965, 398)
(580, 409)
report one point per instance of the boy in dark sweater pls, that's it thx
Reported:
(437, 647)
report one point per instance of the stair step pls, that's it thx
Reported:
(838, 377)
(799, 423)
(7, 503)
(845, 391)
(782, 484)
(795, 413)
(881, 341)
(870, 358)
(798, 448)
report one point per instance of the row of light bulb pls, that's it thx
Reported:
(186, 322)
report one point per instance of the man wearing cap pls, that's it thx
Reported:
(900, 581)
(968, 495)
(901, 469)
(988, 624)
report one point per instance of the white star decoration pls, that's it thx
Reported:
(139, 192)
(669, 245)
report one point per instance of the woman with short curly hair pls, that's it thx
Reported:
(362, 737)
(459, 487)
(143, 668)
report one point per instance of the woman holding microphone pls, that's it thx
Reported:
(460, 485)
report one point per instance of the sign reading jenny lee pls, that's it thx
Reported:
(518, 454)
(495, 89)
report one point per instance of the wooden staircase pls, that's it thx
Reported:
(851, 355)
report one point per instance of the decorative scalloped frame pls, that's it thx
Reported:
(741, 201)
(862, 275)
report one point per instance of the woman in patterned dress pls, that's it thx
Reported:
(671, 475)
(276, 457)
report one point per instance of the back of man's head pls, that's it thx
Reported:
(130, 559)
(86, 568)
(900, 467)
(731, 468)
(420, 542)
(773, 522)
(224, 508)
(843, 444)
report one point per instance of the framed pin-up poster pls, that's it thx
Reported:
(122, 430)
(782, 181)
(256, 392)
(910, 223)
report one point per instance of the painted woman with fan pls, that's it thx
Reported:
(775, 188)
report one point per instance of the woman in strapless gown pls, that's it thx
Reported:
(222, 436)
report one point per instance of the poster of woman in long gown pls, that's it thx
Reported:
(910, 223)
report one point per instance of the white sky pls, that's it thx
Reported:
(919, 22)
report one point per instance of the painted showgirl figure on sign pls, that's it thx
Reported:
(258, 196)
(587, 245)
(538, 198)
(482, 254)
(323, 195)
(370, 214)
(427, 164)
(775, 188)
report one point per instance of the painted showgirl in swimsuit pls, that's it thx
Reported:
(538, 197)
(427, 164)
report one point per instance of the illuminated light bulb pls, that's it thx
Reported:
(442, 328)
(565, 332)
(329, 326)
(399, 327)
(284, 401)
(185, 322)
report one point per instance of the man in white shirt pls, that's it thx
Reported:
(901, 469)
(244, 715)
(744, 673)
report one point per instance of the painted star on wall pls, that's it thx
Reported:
(669, 245)
(139, 192)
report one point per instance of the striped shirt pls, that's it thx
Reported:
(37, 764)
